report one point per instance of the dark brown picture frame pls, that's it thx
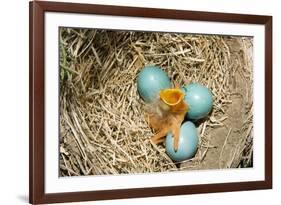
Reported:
(37, 96)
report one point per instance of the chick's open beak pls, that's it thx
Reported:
(174, 100)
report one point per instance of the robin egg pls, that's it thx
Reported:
(188, 142)
(150, 81)
(199, 100)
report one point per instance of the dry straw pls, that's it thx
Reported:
(102, 125)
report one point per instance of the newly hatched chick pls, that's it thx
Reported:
(166, 115)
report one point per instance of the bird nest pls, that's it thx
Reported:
(102, 125)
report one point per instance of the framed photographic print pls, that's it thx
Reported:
(140, 102)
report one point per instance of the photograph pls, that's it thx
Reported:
(134, 102)
(140, 102)
(129, 102)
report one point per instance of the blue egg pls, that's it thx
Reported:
(188, 142)
(150, 81)
(199, 100)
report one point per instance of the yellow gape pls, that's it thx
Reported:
(173, 100)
